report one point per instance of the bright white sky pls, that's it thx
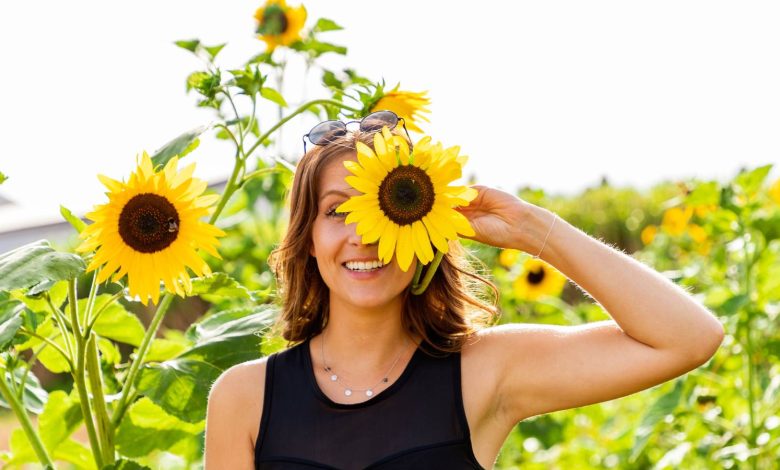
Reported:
(551, 94)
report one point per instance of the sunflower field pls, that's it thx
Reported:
(167, 284)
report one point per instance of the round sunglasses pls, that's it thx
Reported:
(328, 131)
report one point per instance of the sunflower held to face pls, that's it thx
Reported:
(151, 230)
(538, 279)
(279, 24)
(406, 202)
(409, 105)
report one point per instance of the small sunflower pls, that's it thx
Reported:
(538, 279)
(407, 202)
(279, 24)
(150, 229)
(508, 257)
(648, 234)
(409, 105)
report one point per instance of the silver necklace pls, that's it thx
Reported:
(348, 390)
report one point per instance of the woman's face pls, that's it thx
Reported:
(334, 244)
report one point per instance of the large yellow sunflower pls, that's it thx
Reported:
(151, 230)
(407, 202)
(279, 24)
(409, 105)
(538, 279)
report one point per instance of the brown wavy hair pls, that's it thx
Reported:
(453, 307)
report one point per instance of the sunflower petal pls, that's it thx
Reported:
(405, 247)
(387, 242)
(437, 238)
(362, 185)
(423, 243)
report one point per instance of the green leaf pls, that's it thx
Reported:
(704, 194)
(733, 305)
(109, 352)
(212, 51)
(316, 48)
(180, 387)
(750, 181)
(273, 95)
(191, 44)
(664, 406)
(224, 344)
(115, 322)
(2, 177)
(77, 223)
(34, 396)
(60, 418)
(180, 146)
(164, 349)
(248, 80)
(37, 302)
(10, 321)
(37, 262)
(219, 286)
(124, 464)
(146, 427)
(324, 24)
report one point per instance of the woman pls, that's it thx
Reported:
(384, 379)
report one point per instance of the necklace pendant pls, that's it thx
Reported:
(369, 393)
(334, 377)
(347, 392)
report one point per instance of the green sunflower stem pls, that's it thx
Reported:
(26, 423)
(105, 429)
(79, 376)
(151, 332)
(418, 289)
(417, 274)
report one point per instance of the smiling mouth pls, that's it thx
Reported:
(361, 267)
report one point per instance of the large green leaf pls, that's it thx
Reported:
(57, 293)
(704, 193)
(181, 146)
(234, 341)
(34, 396)
(48, 356)
(37, 262)
(10, 321)
(115, 322)
(146, 427)
(68, 451)
(664, 406)
(61, 416)
(219, 286)
(179, 386)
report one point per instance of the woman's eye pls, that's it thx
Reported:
(331, 212)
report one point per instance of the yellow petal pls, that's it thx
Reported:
(379, 144)
(373, 235)
(362, 185)
(405, 247)
(423, 243)
(387, 242)
(437, 239)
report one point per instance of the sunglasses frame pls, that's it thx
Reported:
(360, 122)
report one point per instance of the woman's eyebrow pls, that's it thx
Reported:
(338, 192)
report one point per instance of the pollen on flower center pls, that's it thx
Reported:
(148, 223)
(406, 194)
(274, 21)
(536, 277)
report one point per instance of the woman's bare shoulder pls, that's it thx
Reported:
(234, 409)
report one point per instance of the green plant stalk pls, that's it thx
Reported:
(298, 111)
(61, 325)
(151, 332)
(105, 429)
(91, 299)
(418, 289)
(27, 426)
(78, 376)
(749, 351)
(102, 308)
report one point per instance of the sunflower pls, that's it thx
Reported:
(407, 202)
(648, 234)
(508, 257)
(538, 279)
(406, 104)
(279, 24)
(150, 230)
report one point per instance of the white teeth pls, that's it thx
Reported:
(363, 266)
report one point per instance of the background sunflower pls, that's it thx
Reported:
(279, 24)
(409, 105)
(538, 279)
(150, 230)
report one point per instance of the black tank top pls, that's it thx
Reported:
(418, 422)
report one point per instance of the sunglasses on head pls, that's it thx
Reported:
(328, 131)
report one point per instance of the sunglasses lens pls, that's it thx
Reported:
(376, 121)
(326, 132)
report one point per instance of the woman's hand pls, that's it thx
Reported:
(497, 217)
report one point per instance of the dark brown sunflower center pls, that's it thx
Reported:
(274, 21)
(406, 194)
(535, 277)
(148, 223)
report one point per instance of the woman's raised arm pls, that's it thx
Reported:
(659, 331)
